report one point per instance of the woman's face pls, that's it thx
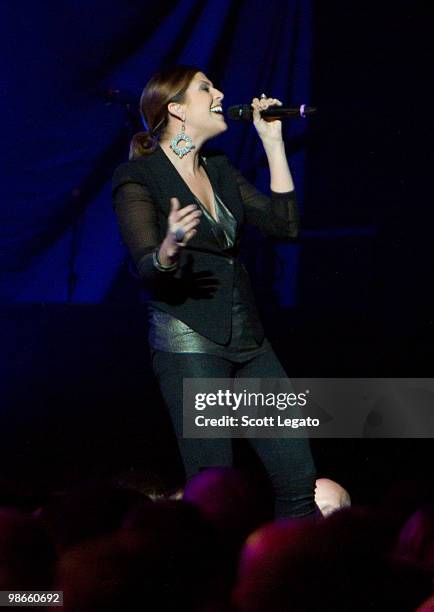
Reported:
(203, 108)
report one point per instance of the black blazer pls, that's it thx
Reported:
(199, 292)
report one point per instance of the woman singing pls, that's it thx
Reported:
(181, 215)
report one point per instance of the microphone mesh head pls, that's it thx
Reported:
(240, 112)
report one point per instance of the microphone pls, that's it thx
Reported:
(244, 112)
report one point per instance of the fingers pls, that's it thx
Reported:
(183, 221)
(265, 102)
(174, 204)
(189, 235)
(187, 211)
(185, 216)
(256, 106)
(176, 211)
(187, 221)
(183, 233)
(262, 103)
(182, 237)
(190, 223)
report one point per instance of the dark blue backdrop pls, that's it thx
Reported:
(77, 389)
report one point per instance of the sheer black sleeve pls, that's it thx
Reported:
(276, 216)
(139, 227)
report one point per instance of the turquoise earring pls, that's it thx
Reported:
(182, 137)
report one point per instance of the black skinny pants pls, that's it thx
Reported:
(287, 461)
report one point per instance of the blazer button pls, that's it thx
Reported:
(231, 261)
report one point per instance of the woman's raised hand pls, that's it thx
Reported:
(181, 227)
(269, 130)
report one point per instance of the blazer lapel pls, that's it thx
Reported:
(169, 180)
(225, 186)
(171, 184)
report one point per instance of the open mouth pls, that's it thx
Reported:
(218, 110)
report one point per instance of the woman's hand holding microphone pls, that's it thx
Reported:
(269, 130)
(181, 227)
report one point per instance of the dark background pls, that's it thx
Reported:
(353, 298)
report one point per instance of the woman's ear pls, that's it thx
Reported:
(175, 110)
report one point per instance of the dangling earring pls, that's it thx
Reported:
(182, 136)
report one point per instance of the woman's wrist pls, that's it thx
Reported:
(169, 250)
(280, 174)
(163, 267)
(274, 147)
(166, 256)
